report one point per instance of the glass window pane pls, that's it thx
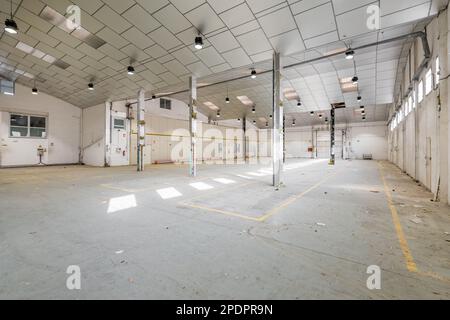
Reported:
(19, 120)
(119, 124)
(428, 82)
(37, 122)
(18, 132)
(38, 133)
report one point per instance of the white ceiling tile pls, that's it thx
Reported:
(224, 41)
(119, 5)
(210, 57)
(204, 19)
(237, 58)
(164, 38)
(172, 19)
(141, 19)
(185, 6)
(277, 22)
(237, 16)
(254, 42)
(221, 5)
(152, 5)
(317, 21)
(260, 5)
(288, 43)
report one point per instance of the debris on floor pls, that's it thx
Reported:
(320, 224)
(416, 220)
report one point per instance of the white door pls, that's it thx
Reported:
(119, 143)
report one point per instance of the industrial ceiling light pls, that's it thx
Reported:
(254, 121)
(91, 86)
(299, 104)
(253, 75)
(293, 122)
(10, 24)
(218, 114)
(198, 42)
(153, 97)
(349, 54)
(355, 80)
(130, 70)
(326, 120)
(320, 116)
(364, 118)
(254, 109)
(227, 100)
(267, 124)
(239, 119)
(34, 91)
(361, 107)
(311, 113)
(271, 116)
(359, 99)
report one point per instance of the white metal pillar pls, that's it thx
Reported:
(277, 111)
(140, 130)
(244, 138)
(193, 126)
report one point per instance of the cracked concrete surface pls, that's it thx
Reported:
(316, 244)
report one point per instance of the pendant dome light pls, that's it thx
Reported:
(10, 24)
(198, 42)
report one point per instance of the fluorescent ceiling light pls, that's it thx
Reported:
(245, 100)
(211, 105)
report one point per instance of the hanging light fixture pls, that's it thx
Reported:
(130, 70)
(349, 54)
(10, 24)
(254, 121)
(198, 42)
(293, 122)
(271, 116)
(355, 80)
(227, 99)
(253, 74)
(218, 114)
(267, 124)
(239, 119)
(254, 109)
(34, 90)
(359, 99)
(299, 103)
(320, 116)
(91, 86)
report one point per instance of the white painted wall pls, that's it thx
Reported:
(93, 136)
(361, 138)
(63, 126)
(419, 145)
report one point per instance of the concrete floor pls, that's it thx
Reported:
(221, 239)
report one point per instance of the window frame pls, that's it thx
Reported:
(437, 72)
(28, 127)
(420, 92)
(428, 82)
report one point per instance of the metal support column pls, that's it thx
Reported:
(140, 130)
(244, 138)
(332, 136)
(277, 111)
(193, 126)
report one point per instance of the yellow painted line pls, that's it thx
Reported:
(267, 214)
(224, 212)
(293, 199)
(410, 264)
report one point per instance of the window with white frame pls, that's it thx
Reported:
(428, 82)
(420, 92)
(437, 71)
(413, 96)
(27, 126)
(410, 103)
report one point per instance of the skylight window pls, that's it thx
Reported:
(428, 82)
(245, 100)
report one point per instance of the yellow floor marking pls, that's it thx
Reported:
(410, 264)
(292, 199)
(265, 215)
(227, 213)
